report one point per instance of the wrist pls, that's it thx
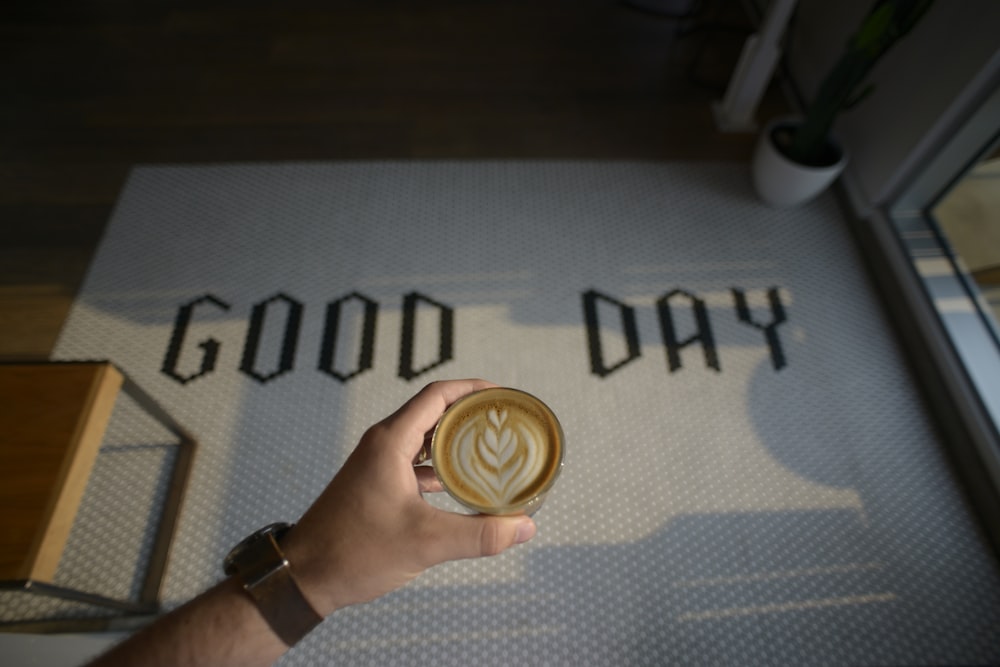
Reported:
(309, 566)
(265, 573)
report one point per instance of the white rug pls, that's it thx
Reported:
(750, 475)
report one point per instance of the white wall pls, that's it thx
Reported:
(920, 84)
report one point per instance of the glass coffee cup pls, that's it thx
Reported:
(498, 451)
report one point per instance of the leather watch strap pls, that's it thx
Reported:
(268, 579)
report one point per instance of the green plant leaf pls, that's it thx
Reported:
(871, 36)
(884, 25)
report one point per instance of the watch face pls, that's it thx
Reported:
(229, 565)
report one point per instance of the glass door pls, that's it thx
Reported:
(968, 216)
(941, 239)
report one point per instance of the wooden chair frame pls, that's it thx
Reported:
(35, 574)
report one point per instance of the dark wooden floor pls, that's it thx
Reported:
(93, 87)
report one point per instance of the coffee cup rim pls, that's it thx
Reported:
(542, 491)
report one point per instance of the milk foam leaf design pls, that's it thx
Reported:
(496, 456)
(496, 418)
(523, 475)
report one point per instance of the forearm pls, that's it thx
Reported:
(220, 627)
(368, 533)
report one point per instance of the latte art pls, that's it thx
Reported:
(499, 455)
(498, 451)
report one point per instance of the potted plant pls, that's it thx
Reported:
(796, 159)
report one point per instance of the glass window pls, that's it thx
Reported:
(947, 224)
(968, 217)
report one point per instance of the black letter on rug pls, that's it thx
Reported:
(703, 333)
(328, 350)
(209, 346)
(628, 326)
(770, 330)
(289, 340)
(406, 369)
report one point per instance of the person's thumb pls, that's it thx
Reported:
(463, 536)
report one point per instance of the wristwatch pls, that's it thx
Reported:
(261, 566)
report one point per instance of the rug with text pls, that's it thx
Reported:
(750, 475)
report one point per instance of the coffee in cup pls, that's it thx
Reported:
(498, 451)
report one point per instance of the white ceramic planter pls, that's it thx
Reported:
(780, 182)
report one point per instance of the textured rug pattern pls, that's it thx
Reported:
(750, 476)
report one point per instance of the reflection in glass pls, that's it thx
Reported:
(969, 216)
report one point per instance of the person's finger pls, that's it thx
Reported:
(424, 453)
(471, 536)
(417, 417)
(427, 406)
(427, 480)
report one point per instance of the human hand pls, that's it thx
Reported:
(371, 531)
